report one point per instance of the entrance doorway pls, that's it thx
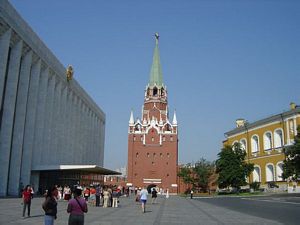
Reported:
(150, 186)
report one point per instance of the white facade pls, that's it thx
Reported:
(45, 120)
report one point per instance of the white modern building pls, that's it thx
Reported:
(51, 131)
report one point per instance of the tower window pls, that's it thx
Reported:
(155, 91)
(164, 138)
(148, 155)
(161, 155)
(152, 139)
(168, 155)
(171, 138)
(141, 138)
(134, 138)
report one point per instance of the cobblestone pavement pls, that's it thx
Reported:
(174, 210)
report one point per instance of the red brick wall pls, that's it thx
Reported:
(153, 161)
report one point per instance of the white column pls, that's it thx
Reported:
(8, 115)
(89, 135)
(18, 132)
(76, 129)
(288, 139)
(30, 123)
(68, 129)
(73, 157)
(79, 130)
(102, 138)
(97, 141)
(94, 130)
(41, 118)
(63, 122)
(4, 49)
(84, 133)
(54, 138)
(47, 125)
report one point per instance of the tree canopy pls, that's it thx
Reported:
(291, 166)
(198, 175)
(232, 168)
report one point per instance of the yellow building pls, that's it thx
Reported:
(263, 141)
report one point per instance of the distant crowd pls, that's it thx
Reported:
(79, 197)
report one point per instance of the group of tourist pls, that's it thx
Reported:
(77, 206)
(107, 196)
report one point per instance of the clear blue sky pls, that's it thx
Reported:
(221, 60)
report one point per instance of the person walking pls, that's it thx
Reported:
(154, 195)
(106, 196)
(98, 195)
(144, 194)
(50, 206)
(192, 193)
(77, 207)
(115, 196)
(26, 195)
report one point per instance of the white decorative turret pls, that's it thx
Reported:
(174, 118)
(131, 120)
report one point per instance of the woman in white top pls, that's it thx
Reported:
(144, 194)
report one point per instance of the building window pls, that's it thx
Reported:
(152, 139)
(135, 174)
(234, 145)
(167, 163)
(161, 155)
(152, 163)
(267, 141)
(137, 155)
(164, 138)
(243, 144)
(134, 138)
(167, 174)
(256, 174)
(254, 144)
(278, 138)
(148, 155)
(269, 172)
(154, 154)
(168, 155)
(279, 171)
(171, 138)
(141, 138)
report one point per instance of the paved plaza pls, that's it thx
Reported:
(175, 210)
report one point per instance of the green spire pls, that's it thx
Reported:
(156, 74)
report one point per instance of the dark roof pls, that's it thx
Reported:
(87, 168)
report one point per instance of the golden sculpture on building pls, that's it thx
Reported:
(69, 73)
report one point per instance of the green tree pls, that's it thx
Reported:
(203, 170)
(185, 172)
(291, 165)
(232, 168)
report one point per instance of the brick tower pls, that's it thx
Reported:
(153, 140)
